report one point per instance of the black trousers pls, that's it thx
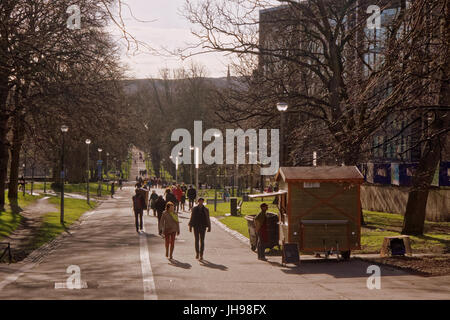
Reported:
(199, 234)
(159, 213)
(261, 248)
(191, 203)
(136, 216)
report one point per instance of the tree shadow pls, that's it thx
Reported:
(211, 265)
(14, 204)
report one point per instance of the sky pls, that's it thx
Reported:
(167, 29)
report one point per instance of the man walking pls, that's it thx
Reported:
(261, 231)
(200, 222)
(191, 194)
(113, 189)
(138, 208)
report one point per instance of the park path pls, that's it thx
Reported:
(118, 263)
(30, 223)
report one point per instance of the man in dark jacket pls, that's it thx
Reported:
(200, 222)
(261, 231)
(191, 194)
(138, 208)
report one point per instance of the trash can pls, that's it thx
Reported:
(252, 230)
(273, 232)
(233, 206)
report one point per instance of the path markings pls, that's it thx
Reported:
(147, 273)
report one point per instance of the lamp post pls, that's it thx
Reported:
(64, 129)
(88, 142)
(282, 108)
(100, 171)
(106, 169)
(192, 149)
(197, 161)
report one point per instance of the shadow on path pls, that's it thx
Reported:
(211, 265)
(179, 264)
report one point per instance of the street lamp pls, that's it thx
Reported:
(197, 161)
(64, 129)
(282, 108)
(88, 142)
(100, 171)
(192, 149)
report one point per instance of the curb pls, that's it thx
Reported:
(233, 233)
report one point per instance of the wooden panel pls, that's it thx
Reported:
(326, 237)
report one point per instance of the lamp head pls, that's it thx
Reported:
(88, 141)
(282, 106)
(64, 128)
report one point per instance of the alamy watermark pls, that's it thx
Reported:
(214, 152)
(74, 20)
(374, 281)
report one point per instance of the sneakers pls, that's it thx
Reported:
(197, 256)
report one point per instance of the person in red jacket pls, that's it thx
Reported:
(178, 192)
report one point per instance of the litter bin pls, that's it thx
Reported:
(273, 232)
(233, 206)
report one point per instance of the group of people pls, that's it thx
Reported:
(166, 210)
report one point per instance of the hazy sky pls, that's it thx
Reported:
(168, 29)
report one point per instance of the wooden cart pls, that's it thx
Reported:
(320, 208)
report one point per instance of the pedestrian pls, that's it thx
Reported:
(112, 189)
(170, 197)
(153, 198)
(177, 193)
(183, 201)
(120, 183)
(261, 231)
(170, 227)
(191, 194)
(160, 206)
(138, 208)
(200, 222)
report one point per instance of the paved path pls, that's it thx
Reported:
(118, 263)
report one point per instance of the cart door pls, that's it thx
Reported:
(324, 235)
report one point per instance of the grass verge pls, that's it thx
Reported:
(10, 218)
(51, 226)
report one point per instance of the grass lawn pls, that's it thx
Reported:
(51, 227)
(11, 218)
(379, 225)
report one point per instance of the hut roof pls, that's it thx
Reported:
(317, 174)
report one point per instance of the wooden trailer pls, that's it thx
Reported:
(320, 208)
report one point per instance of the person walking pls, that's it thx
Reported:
(120, 183)
(112, 189)
(138, 208)
(153, 198)
(200, 222)
(170, 227)
(160, 206)
(170, 197)
(177, 193)
(183, 201)
(261, 231)
(191, 194)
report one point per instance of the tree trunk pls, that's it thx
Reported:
(15, 157)
(4, 144)
(414, 221)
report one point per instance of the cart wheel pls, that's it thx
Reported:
(345, 255)
(253, 247)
